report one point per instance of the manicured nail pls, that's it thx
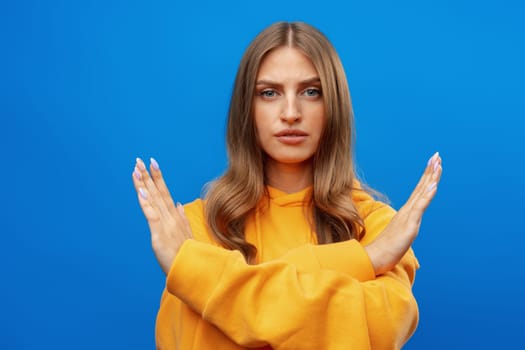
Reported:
(140, 164)
(136, 172)
(436, 165)
(154, 163)
(143, 193)
(180, 208)
(432, 186)
(433, 159)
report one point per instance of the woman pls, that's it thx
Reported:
(312, 261)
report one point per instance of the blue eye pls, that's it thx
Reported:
(268, 93)
(312, 92)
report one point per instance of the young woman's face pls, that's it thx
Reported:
(288, 107)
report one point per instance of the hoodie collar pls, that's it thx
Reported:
(295, 199)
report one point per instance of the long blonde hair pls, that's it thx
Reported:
(235, 195)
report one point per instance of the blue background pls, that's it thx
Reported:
(85, 87)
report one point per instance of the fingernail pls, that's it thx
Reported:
(432, 186)
(136, 172)
(178, 204)
(436, 165)
(143, 193)
(140, 164)
(154, 163)
(431, 160)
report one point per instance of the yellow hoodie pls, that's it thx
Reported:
(299, 296)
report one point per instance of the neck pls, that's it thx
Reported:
(289, 178)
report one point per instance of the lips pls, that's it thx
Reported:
(291, 136)
(291, 132)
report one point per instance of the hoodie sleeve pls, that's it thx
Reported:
(274, 303)
(350, 257)
(291, 303)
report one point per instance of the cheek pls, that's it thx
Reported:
(319, 128)
(259, 129)
(263, 120)
(320, 120)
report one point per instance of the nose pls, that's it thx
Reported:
(291, 111)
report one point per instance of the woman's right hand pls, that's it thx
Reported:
(167, 222)
(391, 244)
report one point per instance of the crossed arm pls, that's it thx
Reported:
(170, 228)
(306, 299)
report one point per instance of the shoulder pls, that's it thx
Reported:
(376, 215)
(195, 213)
(194, 209)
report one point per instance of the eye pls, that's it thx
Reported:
(268, 93)
(312, 92)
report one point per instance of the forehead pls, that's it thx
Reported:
(286, 63)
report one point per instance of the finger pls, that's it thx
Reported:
(424, 200)
(433, 178)
(424, 180)
(438, 170)
(151, 213)
(184, 219)
(420, 197)
(180, 208)
(154, 198)
(137, 178)
(158, 179)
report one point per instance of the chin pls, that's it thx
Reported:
(291, 160)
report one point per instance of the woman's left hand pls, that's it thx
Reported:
(395, 240)
(167, 222)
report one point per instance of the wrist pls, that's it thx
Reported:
(381, 260)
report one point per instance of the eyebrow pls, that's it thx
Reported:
(304, 82)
